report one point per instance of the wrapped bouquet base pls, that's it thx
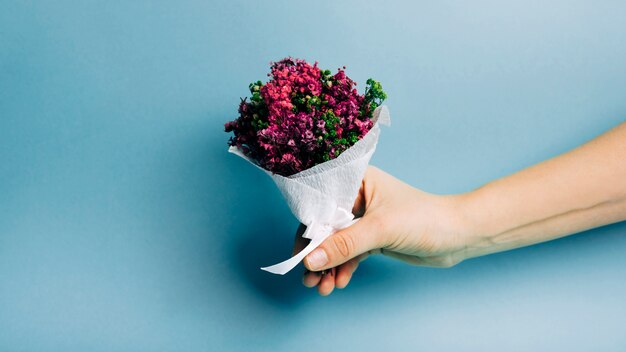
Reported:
(322, 196)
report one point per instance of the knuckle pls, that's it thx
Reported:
(344, 244)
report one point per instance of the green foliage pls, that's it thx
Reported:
(255, 90)
(374, 94)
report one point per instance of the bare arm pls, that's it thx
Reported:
(578, 190)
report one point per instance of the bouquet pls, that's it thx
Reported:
(314, 134)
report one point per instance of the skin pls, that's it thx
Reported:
(576, 191)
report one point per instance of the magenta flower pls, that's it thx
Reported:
(302, 117)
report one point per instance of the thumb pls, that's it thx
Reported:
(344, 245)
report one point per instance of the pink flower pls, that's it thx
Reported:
(301, 117)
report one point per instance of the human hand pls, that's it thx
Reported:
(573, 192)
(396, 220)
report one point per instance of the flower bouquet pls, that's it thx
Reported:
(314, 134)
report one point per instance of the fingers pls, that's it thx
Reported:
(325, 280)
(338, 277)
(327, 283)
(344, 245)
(345, 271)
(311, 278)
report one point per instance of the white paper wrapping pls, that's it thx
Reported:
(322, 197)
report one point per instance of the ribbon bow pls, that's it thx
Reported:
(317, 232)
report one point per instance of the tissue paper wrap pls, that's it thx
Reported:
(322, 197)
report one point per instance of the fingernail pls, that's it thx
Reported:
(317, 259)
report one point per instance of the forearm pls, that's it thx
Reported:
(578, 190)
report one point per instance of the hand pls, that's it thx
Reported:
(576, 191)
(396, 220)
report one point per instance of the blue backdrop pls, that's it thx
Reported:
(126, 226)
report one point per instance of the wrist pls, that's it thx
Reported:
(472, 235)
(449, 229)
(489, 228)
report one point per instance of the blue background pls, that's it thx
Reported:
(126, 226)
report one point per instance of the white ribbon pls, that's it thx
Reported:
(317, 232)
